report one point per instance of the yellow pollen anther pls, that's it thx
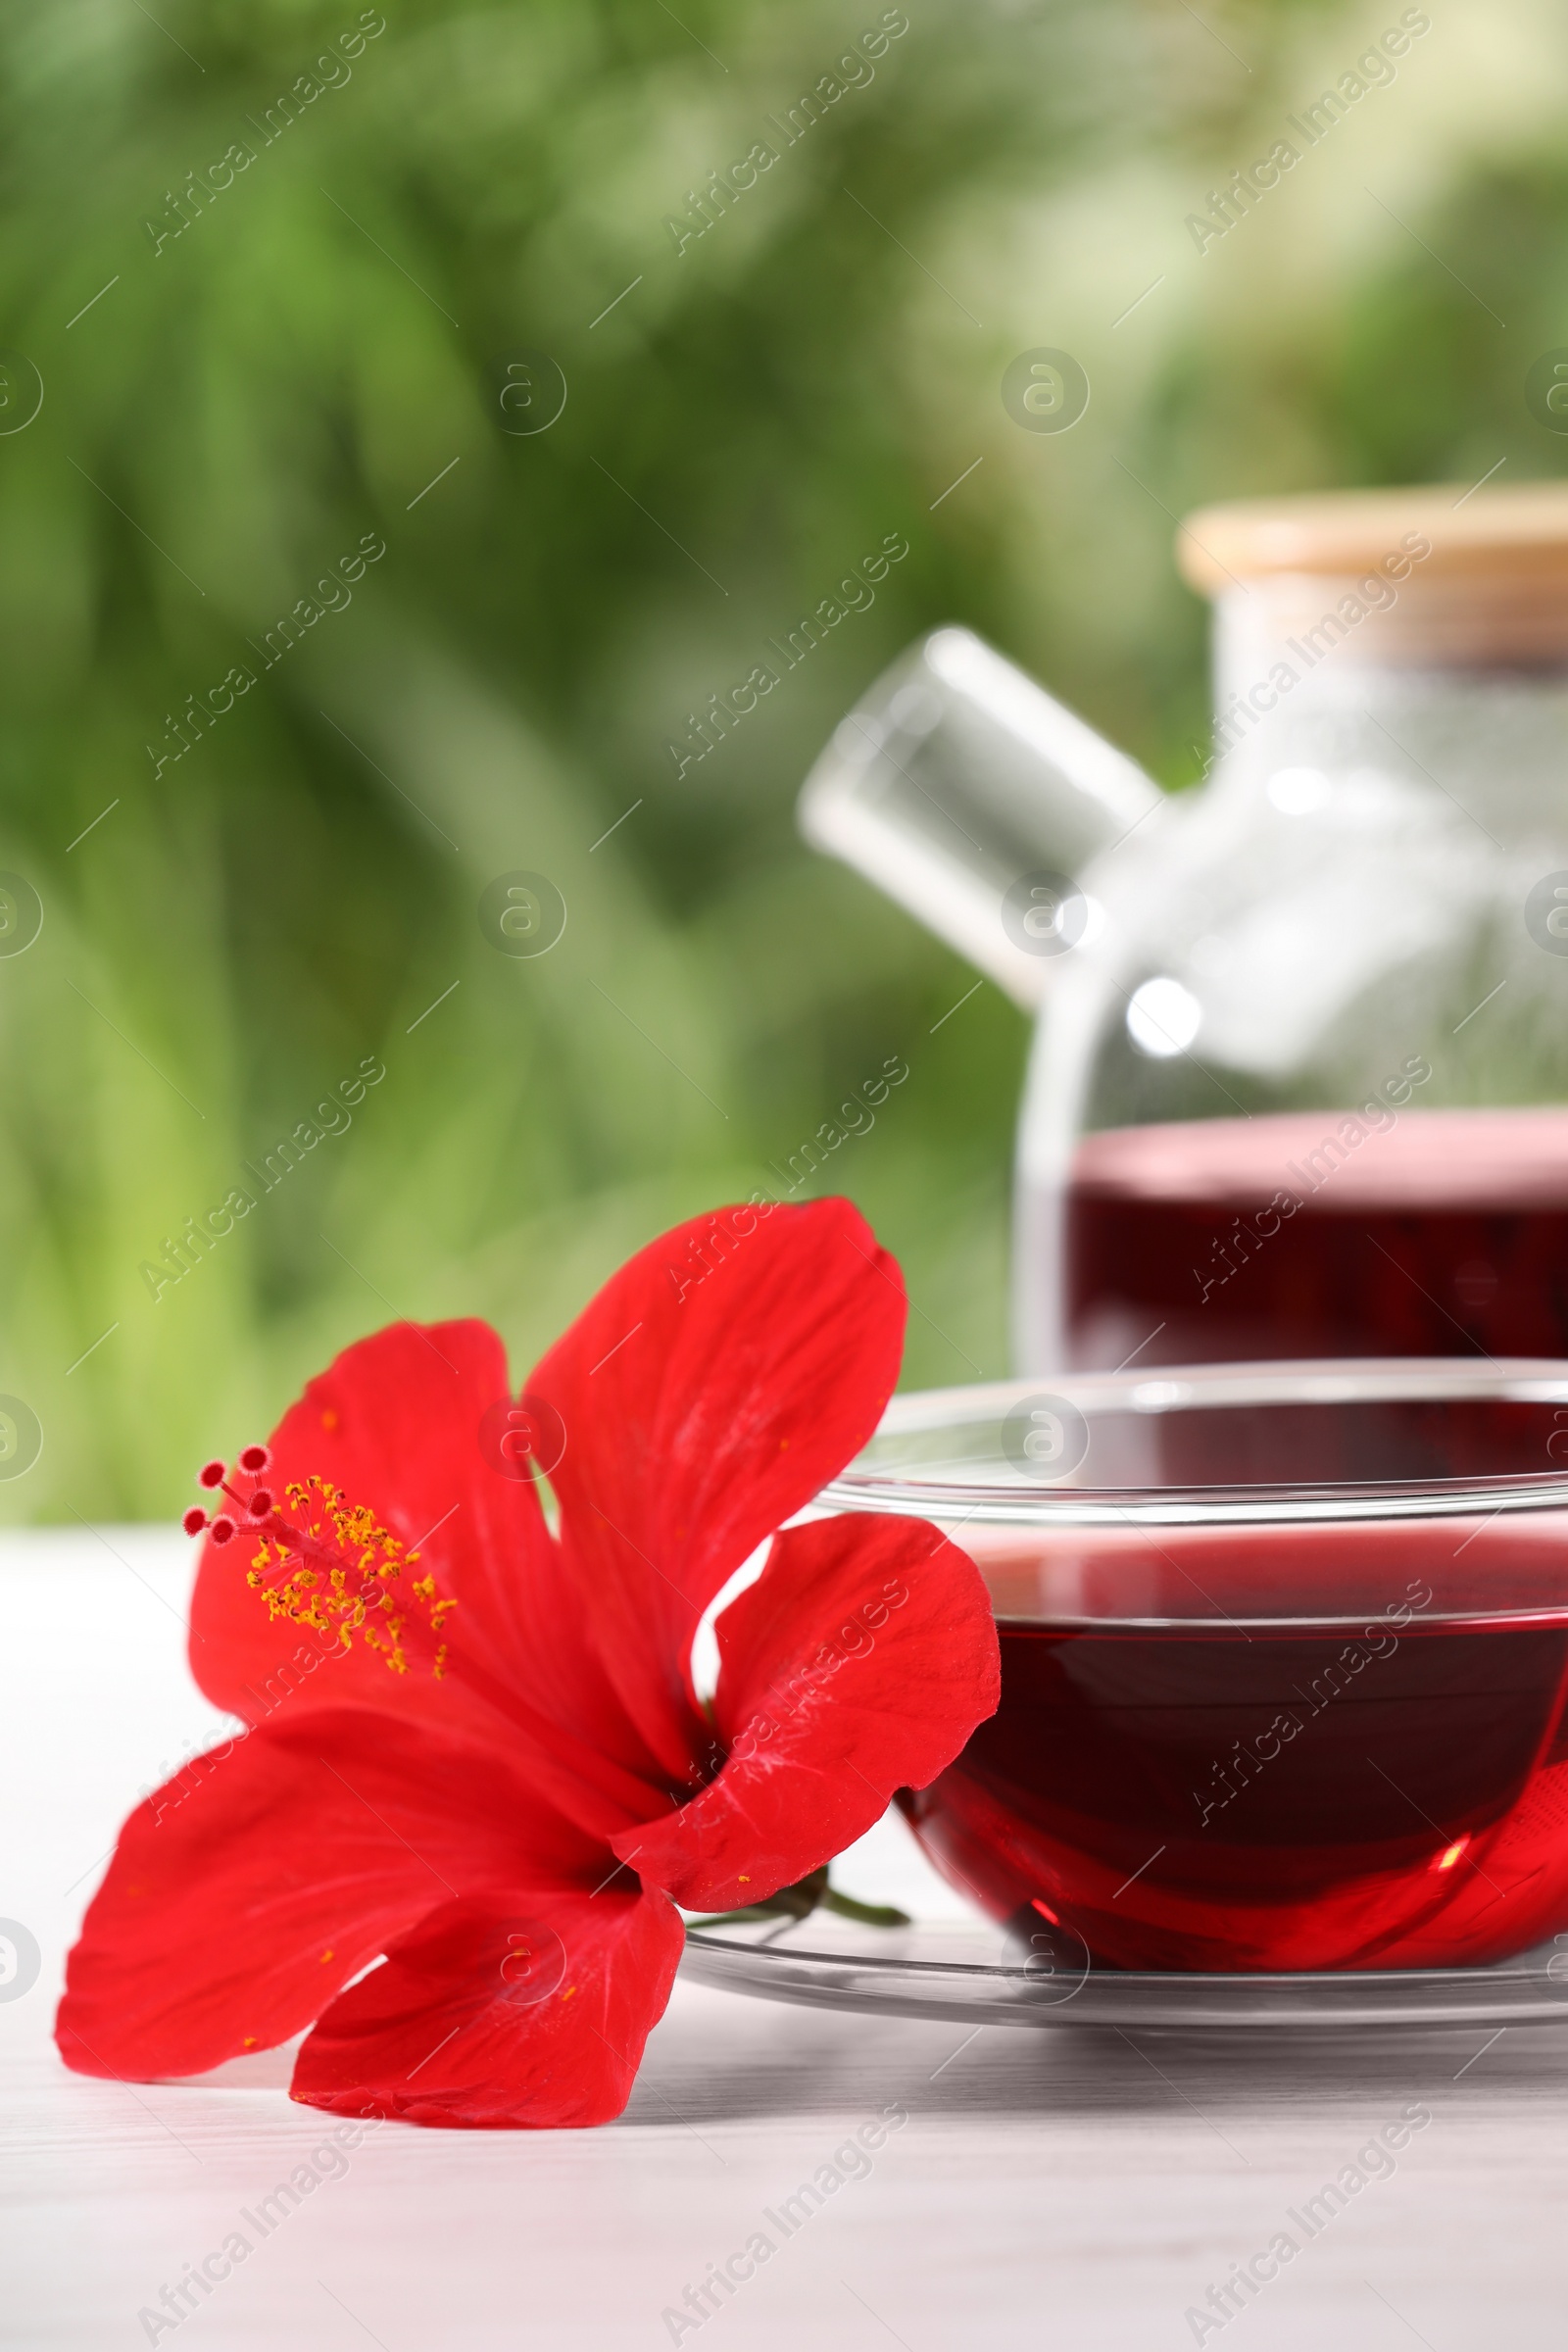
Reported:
(330, 1567)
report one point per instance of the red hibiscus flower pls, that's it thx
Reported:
(474, 1750)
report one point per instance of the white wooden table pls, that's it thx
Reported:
(1060, 2190)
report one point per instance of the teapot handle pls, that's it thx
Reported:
(970, 796)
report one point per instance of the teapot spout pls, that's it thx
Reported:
(972, 797)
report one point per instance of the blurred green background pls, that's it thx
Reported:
(238, 404)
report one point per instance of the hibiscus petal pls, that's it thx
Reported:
(396, 1423)
(859, 1663)
(703, 1408)
(245, 1893)
(529, 2008)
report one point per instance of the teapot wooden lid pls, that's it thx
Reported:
(1521, 531)
(1482, 574)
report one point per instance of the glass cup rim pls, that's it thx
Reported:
(935, 1489)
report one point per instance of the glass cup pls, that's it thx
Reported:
(1284, 1658)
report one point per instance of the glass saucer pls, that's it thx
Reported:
(971, 1974)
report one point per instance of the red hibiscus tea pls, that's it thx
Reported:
(1314, 1234)
(1284, 1801)
(1284, 1665)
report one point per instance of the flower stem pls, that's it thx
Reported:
(801, 1899)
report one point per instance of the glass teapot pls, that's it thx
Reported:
(1300, 1082)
